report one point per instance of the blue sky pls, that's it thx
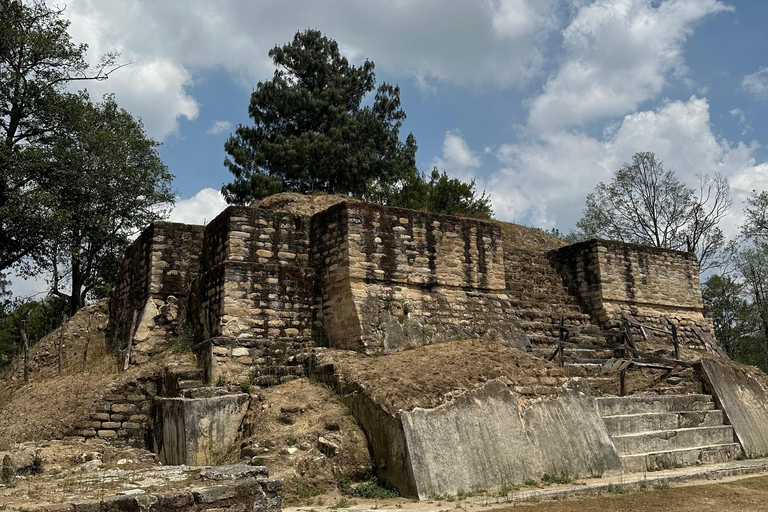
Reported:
(539, 100)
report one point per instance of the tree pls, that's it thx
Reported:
(110, 183)
(646, 204)
(440, 194)
(37, 61)
(729, 311)
(311, 131)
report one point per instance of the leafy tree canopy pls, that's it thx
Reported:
(440, 194)
(313, 131)
(109, 183)
(37, 60)
(646, 204)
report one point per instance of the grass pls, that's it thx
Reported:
(563, 478)
(370, 489)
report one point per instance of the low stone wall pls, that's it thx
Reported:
(262, 361)
(742, 393)
(248, 494)
(390, 278)
(123, 415)
(198, 431)
(155, 280)
(612, 279)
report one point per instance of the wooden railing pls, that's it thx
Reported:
(626, 354)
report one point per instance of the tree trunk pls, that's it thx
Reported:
(77, 284)
(26, 350)
(87, 340)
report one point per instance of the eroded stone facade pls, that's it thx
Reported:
(654, 287)
(260, 286)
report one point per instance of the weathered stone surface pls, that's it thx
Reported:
(481, 440)
(651, 285)
(742, 393)
(198, 431)
(233, 472)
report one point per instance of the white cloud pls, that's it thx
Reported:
(458, 159)
(545, 180)
(618, 53)
(496, 43)
(219, 127)
(200, 209)
(757, 83)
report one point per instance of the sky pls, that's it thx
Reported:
(537, 100)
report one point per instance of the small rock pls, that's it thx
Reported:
(91, 465)
(250, 450)
(305, 447)
(259, 460)
(289, 451)
(674, 379)
(132, 492)
(124, 461)
(233, 472)
(329, 448)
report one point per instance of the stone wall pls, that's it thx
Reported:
(250, 494)
(389, 278)
(261, 361)
(650, 285)
(122, 415)
(155, 280)
(255, 280)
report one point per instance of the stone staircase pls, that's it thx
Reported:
(666, 431)
(538, 296)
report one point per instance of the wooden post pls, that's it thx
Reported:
(87, 340)
(674, 338)
(26, 350)
(622, 381)
(61, 341)
(560, 342)
(131, 335)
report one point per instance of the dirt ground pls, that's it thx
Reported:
(430, 375)
(743, 495)
(286, 422)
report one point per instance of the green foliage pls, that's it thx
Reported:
(37, 62)
(312, 132)
(110, 183)
(646, 204)
(370, 489)
(729, 311)
(439, 194)
(41, 318)
(184, 340)
(563, 478)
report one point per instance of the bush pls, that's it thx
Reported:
(370, 489)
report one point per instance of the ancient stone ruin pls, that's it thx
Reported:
(264, 289)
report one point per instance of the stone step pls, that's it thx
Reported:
(648, 422)
(653, 461)
(181, 385)
(675, 439)
(615, 406)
